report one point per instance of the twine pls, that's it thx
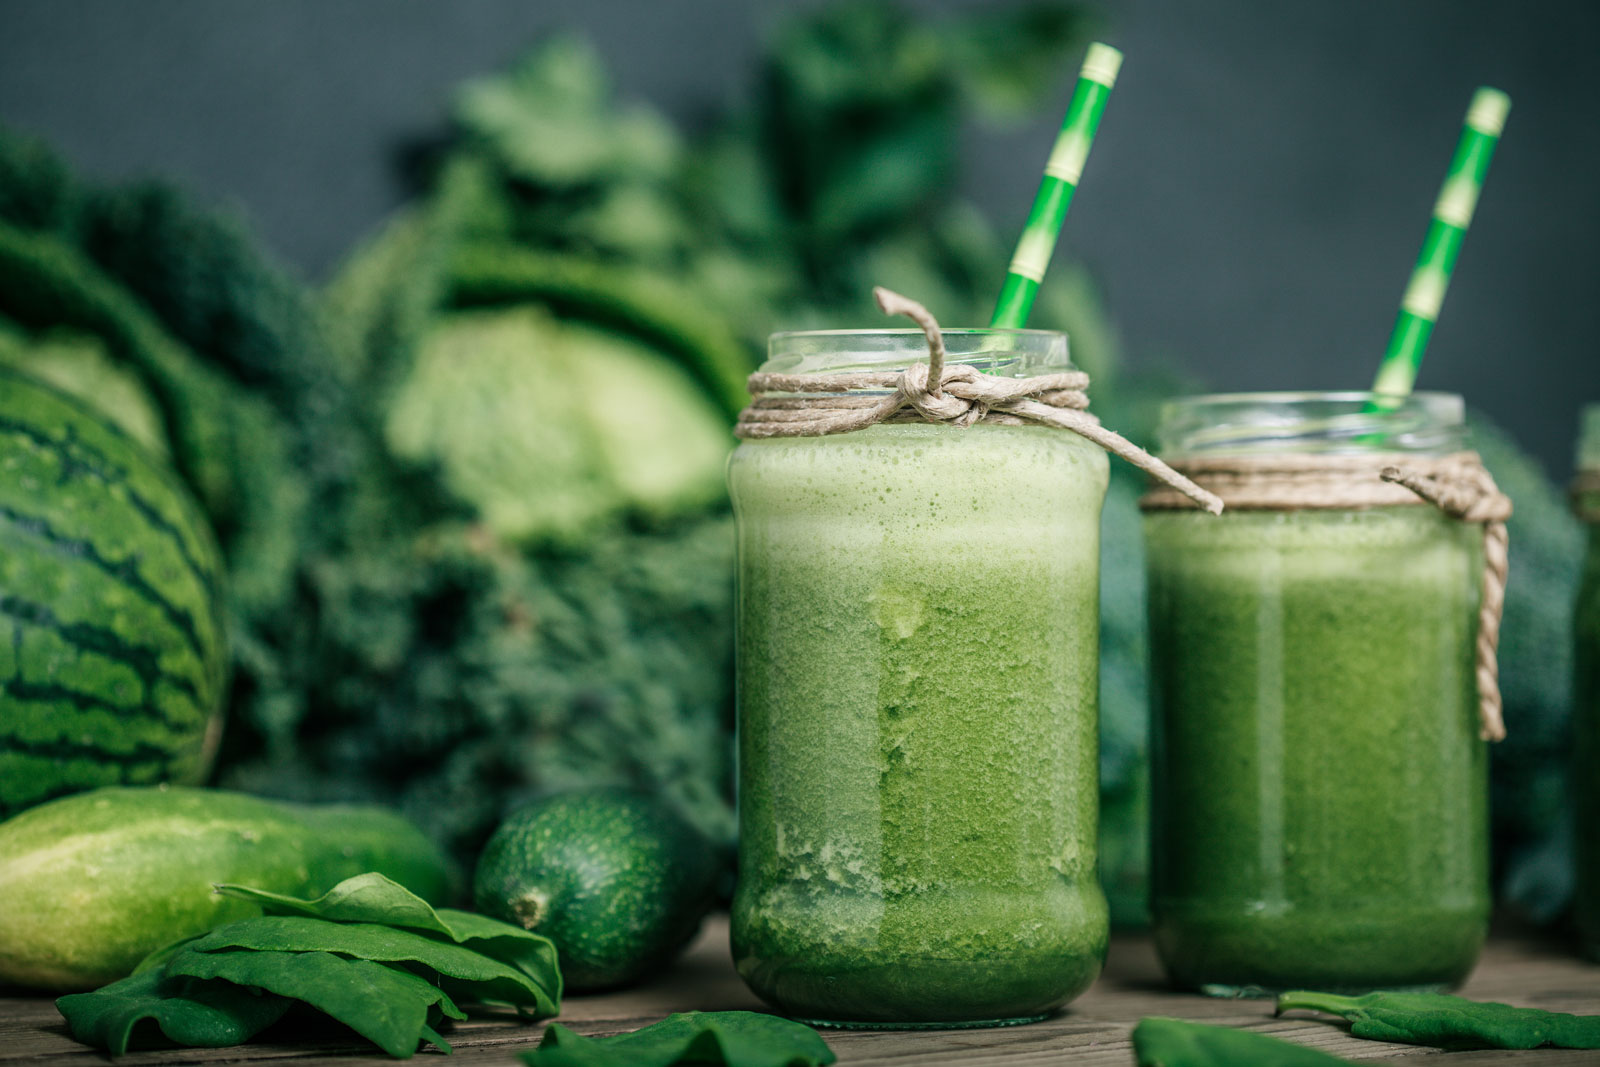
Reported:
(1457, 485)
(816, 405)
(1586, 495)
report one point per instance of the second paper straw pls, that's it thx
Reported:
(1452, 213)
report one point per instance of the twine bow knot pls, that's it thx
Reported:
(966, 395)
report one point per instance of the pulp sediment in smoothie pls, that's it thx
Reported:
(1319, 785)
(918, 656)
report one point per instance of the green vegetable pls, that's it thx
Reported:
(728, 1038)
(1162, 1042)
(1449, 1022)
(111, 624)
(464, 973)
(199, 1015)
(389, 1006)
(179, 303)
(372, 898)
(645, 306)
(547, 429)
(78, 364)
(496, 619)
(617, 881)
(94, 882)
(375, 974)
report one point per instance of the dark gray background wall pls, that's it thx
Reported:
(1255, 202)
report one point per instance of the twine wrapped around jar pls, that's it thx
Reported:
(1456, 484)
(815, 405)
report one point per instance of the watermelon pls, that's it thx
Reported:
(112, 651)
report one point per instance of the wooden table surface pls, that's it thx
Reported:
(1092, 1030)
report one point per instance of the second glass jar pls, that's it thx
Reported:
(1319, 788)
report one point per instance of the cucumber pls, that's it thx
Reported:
(615, 878)
(90, 884)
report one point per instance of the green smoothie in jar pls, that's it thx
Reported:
(1319, 786)
(1586, 693)
(917, 658)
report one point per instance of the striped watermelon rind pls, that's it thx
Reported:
(112, 652)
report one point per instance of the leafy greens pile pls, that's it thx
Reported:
(368, 953)
(576, 256)
(471, 498)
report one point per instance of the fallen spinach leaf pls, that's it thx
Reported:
(462, 972)
(1448, 1022)
(386, 1005)
(1162, 1042)
(726, 1038)
(197, 1014)
(372, 898)
(368, 953)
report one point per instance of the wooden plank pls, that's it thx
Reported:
(1092, 1032)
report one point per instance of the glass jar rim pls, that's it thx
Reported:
(911, 330)
(1002, 352)
(1335, 421)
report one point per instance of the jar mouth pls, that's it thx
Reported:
(1005, 353)
(1350, 422)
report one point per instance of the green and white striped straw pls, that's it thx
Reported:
(1061, 176)
(1452, 213)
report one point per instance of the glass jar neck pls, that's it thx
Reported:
(1351, 423)
(1004, 353)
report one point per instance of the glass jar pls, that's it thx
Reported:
(1586, 692)
(1319, 790)
(918, 636)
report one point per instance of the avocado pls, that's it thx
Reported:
(616, 878)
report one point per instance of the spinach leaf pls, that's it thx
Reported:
(462, 972)
(1449, 1022)
(372, 898)
(1162, 1042)
(727, 1038)
(198, 1014)
(386, 1005)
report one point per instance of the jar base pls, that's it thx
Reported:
(975, 1024)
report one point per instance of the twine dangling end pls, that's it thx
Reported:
(892, 303)
(1466, 491)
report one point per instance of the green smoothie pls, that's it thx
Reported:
(918, 654)
(1586, 700)
(1319, 788)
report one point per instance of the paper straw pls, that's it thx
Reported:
(1452, 213)
(1060, 180)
